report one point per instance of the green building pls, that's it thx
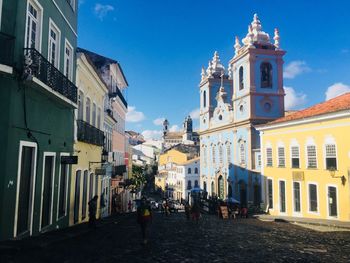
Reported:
(38, 39)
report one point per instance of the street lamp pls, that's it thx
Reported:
(332, 173)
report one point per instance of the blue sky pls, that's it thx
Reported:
(162, 45)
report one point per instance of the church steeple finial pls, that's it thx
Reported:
(237, 45)
(277, 38)
(203, 75)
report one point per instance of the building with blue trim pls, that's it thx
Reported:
(250, 92)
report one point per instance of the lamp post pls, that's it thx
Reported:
(332, 173)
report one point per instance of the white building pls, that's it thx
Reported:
(182, 178)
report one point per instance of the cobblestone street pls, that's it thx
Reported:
(174, 239)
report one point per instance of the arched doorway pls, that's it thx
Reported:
(77, 196)
(221, 188)
(256, 194)
(212, 189)
(205, 186)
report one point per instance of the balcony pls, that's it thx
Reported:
(38, 66)
(89, 134)
(7, 44)
(117, 93)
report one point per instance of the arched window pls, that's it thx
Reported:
(204, 98)
(228, 152)
(80, 105)
(266, 75)
(87, 114)
(189, 170)
(242, 153)
(212, 189)
(196, 170)
(196, 183)
(189, 185)
(241, 82)
(214, 160)
(204, 186)
(221, 153)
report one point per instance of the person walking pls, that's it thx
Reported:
(129, 206)
(92, 212)
(188, 211)
(144, 218)
(196, 211)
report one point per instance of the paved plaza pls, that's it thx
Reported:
(174, 239)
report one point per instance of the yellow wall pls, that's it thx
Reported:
(159, 181)
(319, 131)
(85, 152)
(93, 88)
(172, 156)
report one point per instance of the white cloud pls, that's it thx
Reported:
(102, 10)
(152, 134)
(293, 100)
(158, 121)
(174, 128)
(295, 68)
(133, 115)
(195, 114)
(336, 89)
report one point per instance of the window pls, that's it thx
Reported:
(33, 28)
(266, 75)
(54, 44)
(87, 114)
(282, 196)
(259, 159)
(332, 201)
(296, 195)
(189, 185)
(242, 153)
(269, 157)
(99, 118)
(63, 183)
(221, 152)
(212, 188)
(68, 61)
(213, 151)
(94, 114)
(331, 157)
(196, 183)
(295, 157)
(189, 170)
(270, 192)
(228, 152)
(241, 81)
(204, 99)
(311, 156)
(80, 105)
(281, 157)
(196, 170)
(313, 198)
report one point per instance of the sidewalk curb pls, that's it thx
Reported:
(296, 221)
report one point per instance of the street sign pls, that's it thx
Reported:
(100, 171)
(69, 159)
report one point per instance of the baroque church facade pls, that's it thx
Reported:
(232, 102)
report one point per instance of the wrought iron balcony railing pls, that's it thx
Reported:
(38, 66)
(117, 93)
(7, 44)
(89, 134)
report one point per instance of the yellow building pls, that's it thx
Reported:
(306, 161)
(169, 159)
(89, 141)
